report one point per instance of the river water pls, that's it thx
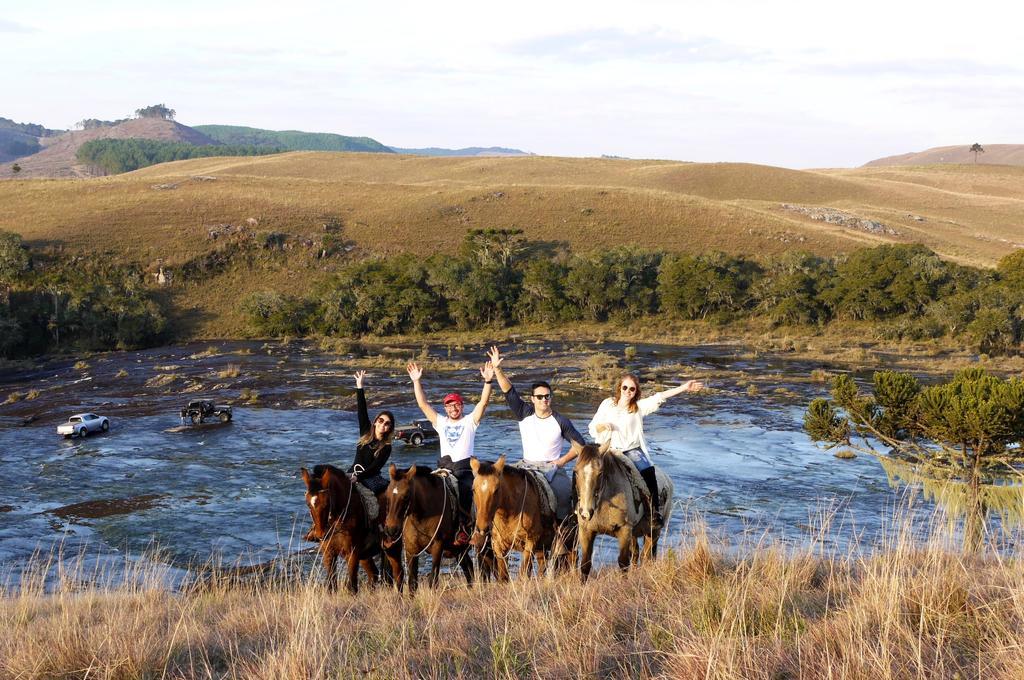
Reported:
(736, 452)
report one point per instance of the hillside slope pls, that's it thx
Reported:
(995, 154)
(57, 159)
(171, 214)
(291, 140)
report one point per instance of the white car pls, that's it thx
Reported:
(81, 424)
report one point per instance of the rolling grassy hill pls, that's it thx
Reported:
(995, 154)
(389, 203)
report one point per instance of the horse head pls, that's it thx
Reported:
(487, 479)
(590, 479)
(318, 500)
(399, 494)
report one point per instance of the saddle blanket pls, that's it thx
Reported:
(369, 503)
(549, 503)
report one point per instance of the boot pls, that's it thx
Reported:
(650, 477)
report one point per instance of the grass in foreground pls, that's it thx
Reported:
(906, 610)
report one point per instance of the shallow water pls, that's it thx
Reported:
(739, 459)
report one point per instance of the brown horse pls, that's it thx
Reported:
(424, 516)
(512, 515)
(340, 524)
(610, 502)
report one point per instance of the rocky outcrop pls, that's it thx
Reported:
(843, 219)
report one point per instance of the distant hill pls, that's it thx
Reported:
(995, 154)
(58, 159)
(290, 140)
(22, 139)
(468, 151)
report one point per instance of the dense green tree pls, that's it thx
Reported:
(14, 257)
(543, 297)
(789, 291)
(155, 111)
(966, 431)
(115, 156)
(621, 283)
(692, 287)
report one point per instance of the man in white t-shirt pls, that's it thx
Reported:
(457, 431)
(543, 430)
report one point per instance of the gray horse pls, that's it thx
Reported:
(612, 500)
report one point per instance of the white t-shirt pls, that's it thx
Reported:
(542, 439)
(457, 436)
(627, 431)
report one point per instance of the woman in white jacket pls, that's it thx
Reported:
(620, 420)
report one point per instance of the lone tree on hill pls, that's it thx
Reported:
(976, 149)
(962, 437)
(155, 111)
(15, 168)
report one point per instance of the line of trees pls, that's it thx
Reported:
(499, 279)
(69, 304)
(115, 156)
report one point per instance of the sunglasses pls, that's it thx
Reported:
(545, 397)
(628, 388)
(385, 421)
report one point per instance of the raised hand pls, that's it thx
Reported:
(692, 386)
(415, 372)
(495, 356)
(487, 372)
(359, 379)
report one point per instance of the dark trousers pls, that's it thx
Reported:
(464, 480)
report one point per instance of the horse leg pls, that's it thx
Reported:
(586, 538)
(501, 562)
(353, 570)
(466, 562)
(436, 554)
(485, 563)
(395, 569)
(412, 569)
(330, 555)
(627, 541)
(542, 561)
(370, 567)
(526, 561)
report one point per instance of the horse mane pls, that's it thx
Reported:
(588, 453)
(317, 476)
(487, 468)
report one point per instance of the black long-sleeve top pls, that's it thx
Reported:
(370, 456)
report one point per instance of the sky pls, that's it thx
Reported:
(793, 84)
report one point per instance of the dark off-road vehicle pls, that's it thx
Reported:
(417, 433)
(201, 410)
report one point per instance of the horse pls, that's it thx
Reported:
(423, 514)
(611, 500)
(340, 524)
(511, 514)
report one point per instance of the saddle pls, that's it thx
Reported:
(641, 494)
(451, 484)
(370, 504)
(549, 505)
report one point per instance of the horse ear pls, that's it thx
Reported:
(325, 478)
(475, 464)
(411, 472)
(499, 464)
(305, 476)
(604, 447)
(393, 471)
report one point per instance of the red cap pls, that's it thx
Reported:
(452, 397)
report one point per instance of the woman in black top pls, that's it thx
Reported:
(374, 446)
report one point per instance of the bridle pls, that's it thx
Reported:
(598, 492)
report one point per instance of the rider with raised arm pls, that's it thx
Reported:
(542, 430)
(620, 420)
(457, 431)
(374, 446)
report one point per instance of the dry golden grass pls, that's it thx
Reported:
(388, 203)
(905, 610)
